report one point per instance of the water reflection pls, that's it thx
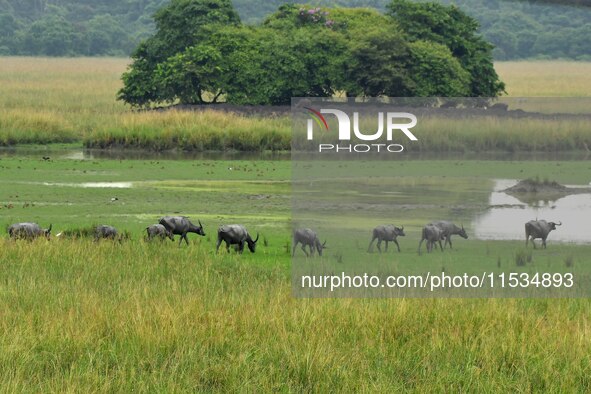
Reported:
(130, 154)
(507, 215)
(87, 185)
(122, 154)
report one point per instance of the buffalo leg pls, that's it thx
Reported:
(379, 245)
(295, 244)
(304, 249)
(386, 246)
(449, 241)
(241, 247)
(370, 247)
(398, 246)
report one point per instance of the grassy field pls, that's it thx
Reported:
(79, 316)
(545, 78)
(155, 317)
(45, 100)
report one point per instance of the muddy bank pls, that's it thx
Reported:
(531, 191)
(533, 186)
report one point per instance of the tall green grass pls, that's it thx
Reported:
(193, 131)
(80, 316)
(502, 134)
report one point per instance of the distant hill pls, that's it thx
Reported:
(519, 29)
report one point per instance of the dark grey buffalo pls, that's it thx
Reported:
(158, 230)
(309, 238)
(433, 235)
(28, 231)
(449, 229)
(539, 229)
(181, 225)
(105, 232)
(236, 234)
(387, 233)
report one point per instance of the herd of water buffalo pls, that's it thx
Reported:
(235, 234)
(433, 233)
(168, 227)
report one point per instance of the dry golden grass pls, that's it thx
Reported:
(48, 100)
(76, 86)
(546, 78)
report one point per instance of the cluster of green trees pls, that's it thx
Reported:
(545, 29)
(201, 53)
(524, 29)
(75, 27)
(518, 28)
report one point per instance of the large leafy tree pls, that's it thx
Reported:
(179, 25)
(202, 54)
(449, 26)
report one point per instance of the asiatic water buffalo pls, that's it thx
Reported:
(387, 233)
(28, 231)
(539, 229)
(309, 238)
(158, 230)
(432, 234)
(105, 232)
(236, 234)
(449, 229)
(181, 225)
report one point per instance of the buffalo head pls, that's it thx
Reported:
(320, 247)
(47, 232)
(252, 245)
(462, 233)
(200, 230)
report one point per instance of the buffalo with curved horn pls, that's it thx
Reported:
(236, 234)
(539, 229)
(181, 225)
(309, 238)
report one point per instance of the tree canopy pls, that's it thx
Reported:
(519, 29)
(201, 53)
